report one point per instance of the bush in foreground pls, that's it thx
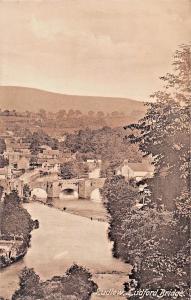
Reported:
(75, 284)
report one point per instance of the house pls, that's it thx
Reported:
(138, 171)
(12, 156)
(10, 184)
(6, 248)
(18, 160)
(54, 157)
(52, 165)
(23, 163)
(49, 154)
(93, 163)
(9, 249)
(48, 158)
(23, 148)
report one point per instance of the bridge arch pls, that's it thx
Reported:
(39, 194)
(69, 192)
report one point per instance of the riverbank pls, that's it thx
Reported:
(61, 240)
(80, 207)
(14, 249)
(12, 252)
(15, 227)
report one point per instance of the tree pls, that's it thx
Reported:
(91, 113)
(42, 113)
(68, 170)
(26, 192)
(108, 144)
(29, 285)
(61, 114)
(2, 146)
(15, 220)
(100, 114)
(164, 132)
(75, 284)
(38, 139)
(156, 238)
(1, 192)
(3, 162)
(119, 197)
(71, 113)
(80, 141)
(78, 281)
(158, 248)
(78, 113)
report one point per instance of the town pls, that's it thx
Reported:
(43, 168)
(95, 150)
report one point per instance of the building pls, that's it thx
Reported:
(18, 160)
(49, 153)
(52, 165)
(50, 158)
(23, 163)
(12, 184)
(10, 249)
(7, 249)
(136, 171)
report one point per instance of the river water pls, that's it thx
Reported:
(61, 240)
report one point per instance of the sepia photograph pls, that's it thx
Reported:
(95, 104)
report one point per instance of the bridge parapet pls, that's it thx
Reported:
(83, 187)
(87, 186)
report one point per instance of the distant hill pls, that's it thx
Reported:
(22, 99)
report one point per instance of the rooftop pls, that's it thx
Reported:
(141, 166)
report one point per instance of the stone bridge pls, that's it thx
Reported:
(83, 187)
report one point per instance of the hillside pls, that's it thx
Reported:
(22, 98)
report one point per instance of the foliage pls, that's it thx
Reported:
(119, 198)
(2, 145)
(164, 132)
(34, 159)
(155, 241)
(38, 139)
(75, 284)
(93, 119)
(73, 169)
(156, 238)
(29, 285)
(26, 192)
(1, 192)
(3, 162)
(107, 143)
(15, 220)
(68, 170)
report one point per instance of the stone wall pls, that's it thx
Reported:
(83, 187)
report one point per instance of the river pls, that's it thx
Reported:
(61, 240)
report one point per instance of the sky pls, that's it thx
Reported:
(91, 47)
